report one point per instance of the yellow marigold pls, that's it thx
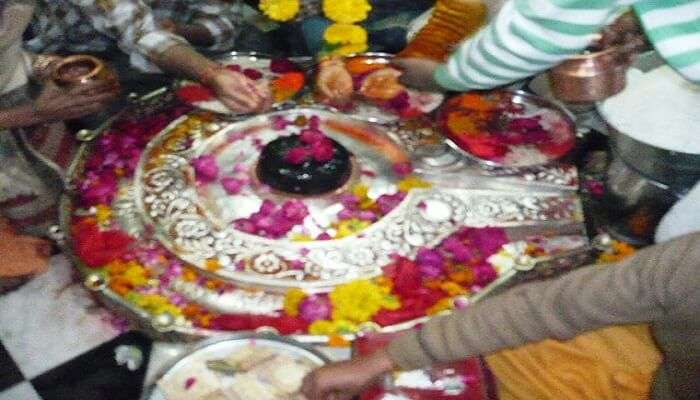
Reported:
(350, 227)
(329, 328)
(135, 273)
(280, 10)
(413, 182)
(440, 306)
(346, 11)
(292, 300)
(103, 214)
(359, 300)
(154, 304)
(360, 190)
(345, 34)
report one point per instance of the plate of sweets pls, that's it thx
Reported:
(286, 80)
(507, 129)
(368, 86)
(241, 367)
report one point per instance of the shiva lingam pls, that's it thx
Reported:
(600, 72)
(282, 169)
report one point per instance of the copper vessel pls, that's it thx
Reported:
(81, 69)
(590, 77)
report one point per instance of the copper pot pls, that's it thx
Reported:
(81, 69)
(590, 77)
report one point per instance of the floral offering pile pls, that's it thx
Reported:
(285, 78)
(493, 128)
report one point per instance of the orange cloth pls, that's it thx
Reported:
(612, 363)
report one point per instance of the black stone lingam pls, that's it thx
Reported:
(308, 178)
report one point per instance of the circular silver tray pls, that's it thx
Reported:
(541, 202)
(519, 97)
(218, 347)
(189, 226)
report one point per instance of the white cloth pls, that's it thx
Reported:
(682, 218)
(15, 64)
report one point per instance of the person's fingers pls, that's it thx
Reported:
(41, 246)
(236, 105)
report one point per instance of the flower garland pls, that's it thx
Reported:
(344, 36)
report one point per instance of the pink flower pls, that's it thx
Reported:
(311, 136)
(367, 215)
(323, 236)
(315, 122)
(430, 262)
(403, 169)
(388, 202)
(297, 155)
(267, 207)
(282, 66)
(279, 123)
(205, 168)
(488, 240)
(294, 211)
(460, 252)
(253, 74)
(98, 188)
(322, 151)
(314, 308)
(232, 185)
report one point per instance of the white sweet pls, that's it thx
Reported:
(249, 387)
(659, 108)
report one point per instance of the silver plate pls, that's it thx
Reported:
(189, 226)
(519, 97)
(215, 348)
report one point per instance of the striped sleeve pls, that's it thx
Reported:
(525, 38)
(221, 19)
(673, 27)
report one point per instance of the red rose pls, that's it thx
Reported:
(97, 248)
(406, 276)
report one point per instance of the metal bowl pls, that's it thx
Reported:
(679, 171)
(220, 345)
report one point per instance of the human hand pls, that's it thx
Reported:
(55, 103)
(334, 82)
(346, 379)
(418, 73)
(22, 255)
(239, 93)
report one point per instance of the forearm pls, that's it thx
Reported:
(640, 289)
(19, 116)
(522, 41)
(184, 60)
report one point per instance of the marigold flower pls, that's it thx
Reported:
(292, 300)
(359, 300)
(344, 34)
(347, 11)
(280, 10)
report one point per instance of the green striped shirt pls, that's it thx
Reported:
(530, 36)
